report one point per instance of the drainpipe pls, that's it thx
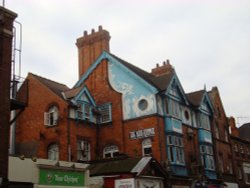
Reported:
(68, 135)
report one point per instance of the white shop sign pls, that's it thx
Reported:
(144, 133)
(125, 183)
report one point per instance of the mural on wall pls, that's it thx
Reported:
(138, 97)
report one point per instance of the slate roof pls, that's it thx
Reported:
(72, 92)
(195, 98)
(244, 131)
(160, 82)
(109, 167)
(55, 87)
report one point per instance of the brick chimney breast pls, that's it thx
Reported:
(166, 68)
(90, 46)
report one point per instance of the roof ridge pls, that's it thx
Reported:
(48, 79)
(201, 90)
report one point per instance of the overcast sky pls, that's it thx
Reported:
(208, 42)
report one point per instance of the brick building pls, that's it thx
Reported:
(241, 153)
(222, 141)
(117, 109)
(7, 18)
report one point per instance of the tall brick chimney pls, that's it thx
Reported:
(90, 46)
(166, 68)
(7, 18)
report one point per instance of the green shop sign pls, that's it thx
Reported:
(61, 178)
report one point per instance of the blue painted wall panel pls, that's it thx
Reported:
(205, 136)
(133, 89)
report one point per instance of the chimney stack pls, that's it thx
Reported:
(90, 46)
(166, 68)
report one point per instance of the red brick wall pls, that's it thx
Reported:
(133, 147)
(6, 25)
(30, 126)
(102, 93)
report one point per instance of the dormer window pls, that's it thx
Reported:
(51, 117)
(84, 111)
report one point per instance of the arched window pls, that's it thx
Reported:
(146, 147)
(51, 117)
(53, 152)
(110, 151)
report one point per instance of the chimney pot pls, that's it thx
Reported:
(168, 62)
(85, 33)
(164, 63)
(100, 28)
(157, 65)
(93, 31)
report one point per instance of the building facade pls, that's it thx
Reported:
(117, 109)
(241, 154)
(7, 18)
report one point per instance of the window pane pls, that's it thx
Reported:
(171, 154)
(110, 151)
(147, 151)
(83, 150)
(53, 152)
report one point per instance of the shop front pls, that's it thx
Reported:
(43, 173)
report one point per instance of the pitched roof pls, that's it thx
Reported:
(195, 98)
(244, 131)
(72, 92)
(160, 82)
(55, 87)
(124, 165)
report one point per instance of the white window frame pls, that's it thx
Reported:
(83, 150)
(53, 152)
(106, 113)
(207, 157)
(205, 122)
(175, 149)
(146, 144)
(51, 117)
(175, 109)
(112, 150)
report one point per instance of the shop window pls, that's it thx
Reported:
(51, 117)
(110, 151)
(53, 152)
(146, 147)
(83, 150)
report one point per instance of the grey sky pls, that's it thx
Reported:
(207, 42)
